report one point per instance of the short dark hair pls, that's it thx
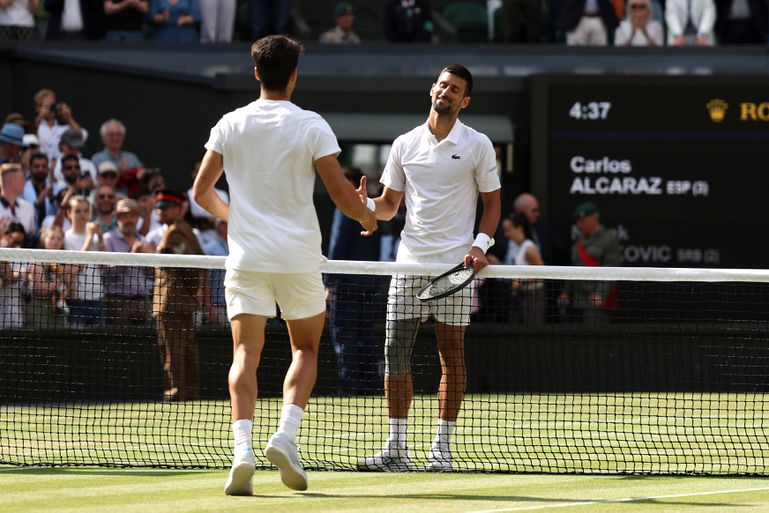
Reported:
(276, 57)
(463, 73)
(37, 156)
(68, 157)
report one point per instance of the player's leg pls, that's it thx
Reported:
(248, 341)
(451, 391)
(452, 315)
(302, 300)
(250, 302)
(400, 335)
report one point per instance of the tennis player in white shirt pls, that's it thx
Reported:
(271, 150)
(440, 167)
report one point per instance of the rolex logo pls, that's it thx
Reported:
(717, 109)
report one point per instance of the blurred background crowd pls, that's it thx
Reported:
(572, 22)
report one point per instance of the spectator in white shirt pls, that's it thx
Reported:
(49, 129)
(639, 28)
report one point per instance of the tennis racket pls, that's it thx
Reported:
(447, 283)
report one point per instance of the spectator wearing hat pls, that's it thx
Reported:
(218, 21)
(342, 32)
(12, 206)
(38, 188)
(595, 247)
(49, 130)
(128, 290)
(173, 306)
(29, 146)
(108, 175)
(71, 143)
(11, 141)
(128, 165)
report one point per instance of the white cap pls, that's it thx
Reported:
(30, 140)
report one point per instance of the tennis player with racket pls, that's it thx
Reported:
(271, 150)
(440, 167)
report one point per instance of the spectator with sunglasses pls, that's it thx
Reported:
(639, 28)
(104, 208)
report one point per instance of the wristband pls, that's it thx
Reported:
(483, 241)
(370, 204)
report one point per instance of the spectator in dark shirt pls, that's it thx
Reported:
(124, 20)
(355, 302)
(742, 22)
(407, 21)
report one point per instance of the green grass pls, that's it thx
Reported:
(594, 433)
(94, 490)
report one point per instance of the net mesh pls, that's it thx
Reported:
(672, 378)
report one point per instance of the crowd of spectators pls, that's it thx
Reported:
(575, 22)
(54, 197)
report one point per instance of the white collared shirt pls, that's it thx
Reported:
(441, 182)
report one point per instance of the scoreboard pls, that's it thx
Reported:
(678, 166)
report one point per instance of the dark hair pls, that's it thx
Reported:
(68, 157)
(463, 73)
(141, 193)
(520, 219)
(275, 57)
(36, 156)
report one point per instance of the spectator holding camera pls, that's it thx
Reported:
(49, 128)
(639, 27)
(175, 21)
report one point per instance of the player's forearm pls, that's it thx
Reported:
(348, 201)
(492, 210)
(211, 202)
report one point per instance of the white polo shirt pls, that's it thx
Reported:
(269, 149)
(441, 182)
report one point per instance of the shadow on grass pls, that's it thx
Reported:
(106, 472)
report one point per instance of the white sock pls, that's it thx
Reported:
(241, 429)
(398, 431)
(442, 438)
(290, 417)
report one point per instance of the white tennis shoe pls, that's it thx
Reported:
(239, 480)
(391, 458)
(439, 460)
(282, 453)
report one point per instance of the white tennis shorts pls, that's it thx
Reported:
(454, 310)
(299, 296)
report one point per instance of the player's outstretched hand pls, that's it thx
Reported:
(361, 190)
(476, 258)
(369, 224)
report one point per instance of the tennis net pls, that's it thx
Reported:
(667, 374)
